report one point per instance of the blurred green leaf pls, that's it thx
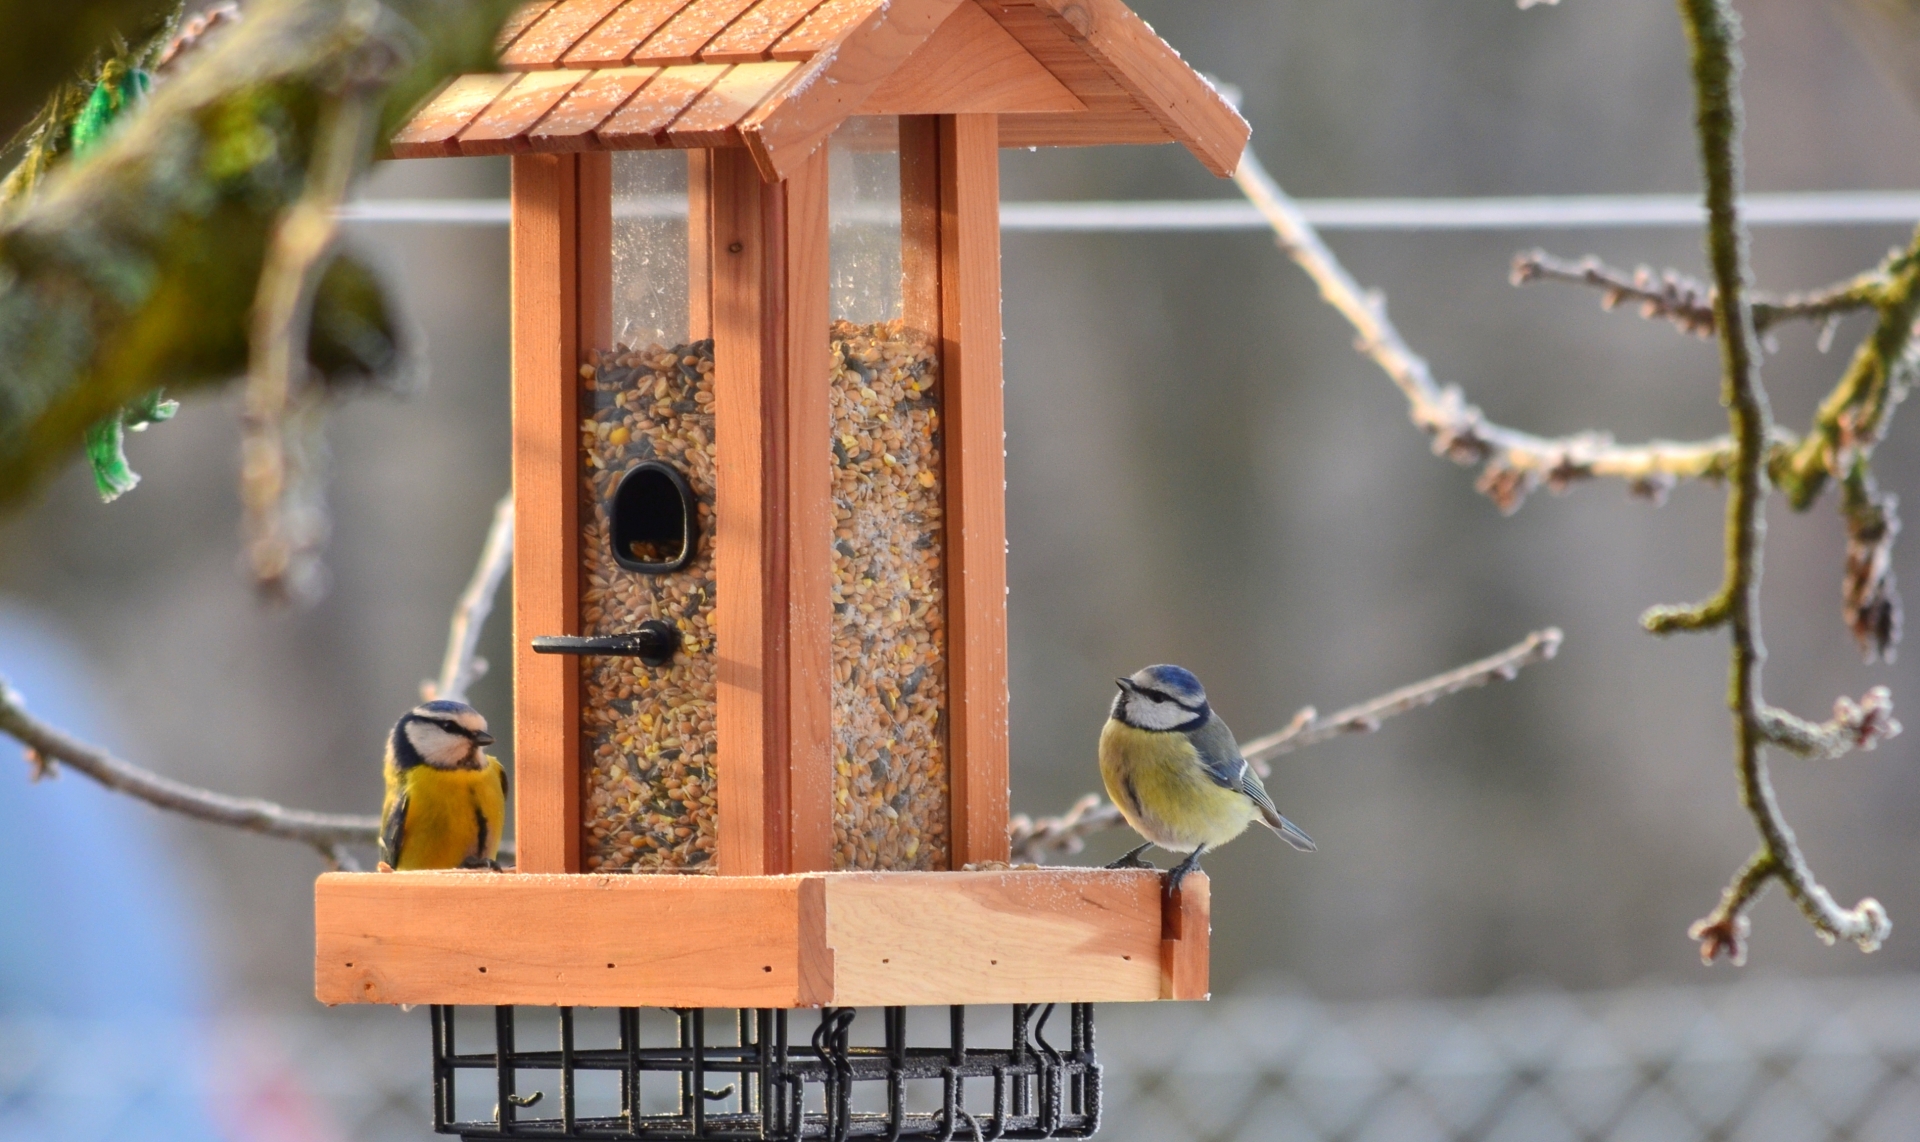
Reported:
(137, 268)
(43, 43)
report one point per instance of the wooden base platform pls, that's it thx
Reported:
(811, 940)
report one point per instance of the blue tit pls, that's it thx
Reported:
(1172, 767)
(446, 799)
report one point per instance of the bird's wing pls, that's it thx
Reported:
(502, 771)
(480, 850)
(1220, 755)
(393, 831)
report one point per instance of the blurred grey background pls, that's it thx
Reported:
(1201, 470)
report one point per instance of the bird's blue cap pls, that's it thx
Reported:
(446, 707)
(1176, 681)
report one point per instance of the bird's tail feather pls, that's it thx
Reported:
(1290, 832)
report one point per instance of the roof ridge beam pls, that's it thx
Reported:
(783, 131)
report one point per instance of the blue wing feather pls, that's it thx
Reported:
(1220, 756)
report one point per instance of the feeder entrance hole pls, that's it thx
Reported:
(655, 522)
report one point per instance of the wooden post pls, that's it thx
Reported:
(699, 245)
(773, 562)
(809, 449)
(749, 524)
(546, 594)
(594, 262)
(920, 221)
(975, 486)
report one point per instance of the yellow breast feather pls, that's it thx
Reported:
(452, 817)
(1160, 787)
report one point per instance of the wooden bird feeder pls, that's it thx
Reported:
(759, 480)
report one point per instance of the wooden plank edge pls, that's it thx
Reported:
(591, 939)
(1186, 939)
(1081, 129)
(447, 929)
(1177, 97)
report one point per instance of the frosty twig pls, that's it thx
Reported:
(1512, 463)
(463, 666)
(1308, 728)
(46, 744)
(1688, 302)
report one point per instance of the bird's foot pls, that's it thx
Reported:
(1132, 859)
(1179, 872)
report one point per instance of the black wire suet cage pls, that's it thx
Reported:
(766, 1087)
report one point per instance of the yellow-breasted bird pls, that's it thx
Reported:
(1173, 769)
(446, 799)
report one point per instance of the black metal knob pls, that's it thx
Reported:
(655, 643)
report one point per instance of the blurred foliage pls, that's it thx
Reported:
(135, 266)
(44, 44)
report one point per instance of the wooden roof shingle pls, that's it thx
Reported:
(777, 76)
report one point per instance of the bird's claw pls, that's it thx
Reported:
(1133, 860)
(1179, 872)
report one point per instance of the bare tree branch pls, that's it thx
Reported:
(328, 833)
(324, 831)
(1307, 728)
(1688, 302)
(1755, 455)
(1034, 839)
(462, 666)
(1712, 29)
(279, 484)
(1855, 725)
(1512, 463)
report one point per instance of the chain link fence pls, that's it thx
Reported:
(1754, 1060)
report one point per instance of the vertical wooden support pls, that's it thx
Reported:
(594, 261)
(699, 245)
(976, 484)
(809, 758)
(748, 580)
(546, 358)
(920, 221)
(1186, 936)
(773, 527)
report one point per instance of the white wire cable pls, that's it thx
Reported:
(1573, 212)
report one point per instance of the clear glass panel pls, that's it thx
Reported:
(649, 741)
(889, 629)
(863, 197)
(650, 247)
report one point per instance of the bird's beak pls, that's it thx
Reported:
(483, 738)
(1125, 684)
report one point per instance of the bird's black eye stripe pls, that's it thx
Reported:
(1163, 696)
(453, 728)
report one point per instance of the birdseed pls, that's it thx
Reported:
(648, 743)
(889, 600)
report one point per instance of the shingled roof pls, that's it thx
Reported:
(778, 75)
